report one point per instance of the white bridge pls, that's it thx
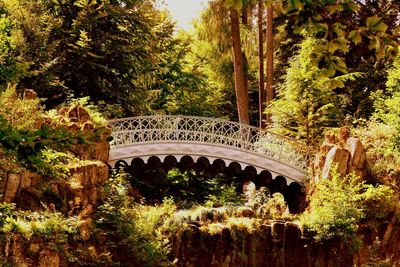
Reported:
(179, 136)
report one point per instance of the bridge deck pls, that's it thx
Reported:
(166, 134)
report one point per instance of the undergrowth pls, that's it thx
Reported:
(340, 204)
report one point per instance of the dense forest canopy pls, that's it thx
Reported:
(129, 59)
(317, 72)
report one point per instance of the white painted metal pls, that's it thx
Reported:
(163, 135)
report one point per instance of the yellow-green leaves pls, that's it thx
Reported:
(294, 7)
(355, 36)
(334, 8)
(375, 24)
(84, 3)
(338, 44)
(83, 40)
(235, 4)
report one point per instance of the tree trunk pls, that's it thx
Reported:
(242, 98)
(245, 23)
(261, 87)
(270, 59)
(245, 17)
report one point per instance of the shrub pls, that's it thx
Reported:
(49, 225)
(21, 114)
(379, 141)
(340, 204)
(6, 211)
(224, 195)
(145, 230)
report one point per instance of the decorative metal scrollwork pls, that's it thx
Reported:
(200, 130)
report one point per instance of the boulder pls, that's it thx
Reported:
(87, 127)
(86, 212)
(343, 135)
(29, 94)
(102, 151)
(84, 230)
(79, 114)
(244, 212)
(277, 232)
(357, 152)
(337, 158)
(12, 187)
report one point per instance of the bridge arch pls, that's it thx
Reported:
(149, 171)
(233, 143)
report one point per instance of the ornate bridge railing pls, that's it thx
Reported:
(216, 132)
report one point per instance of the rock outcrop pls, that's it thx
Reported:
(277, 244)
(344, 154)
(85, 178)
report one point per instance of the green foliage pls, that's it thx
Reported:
(387, 106)
(275, 208)
(26, 141)
(306, 104)
(144, 230)
(102, 49)
(381, 136)
(181, 86)
(379, 140)
(148, 238)
(115, 203)
(223, 195)
(328, 20)
(49, 225)
(30, 148)
(6, 211)
(24, 40)
(21, 114)
(188, 188)
(393, 79)
(265, 205)
(339, 204)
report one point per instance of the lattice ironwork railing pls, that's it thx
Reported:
(200, 130)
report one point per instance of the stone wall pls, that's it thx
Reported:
(277, 245)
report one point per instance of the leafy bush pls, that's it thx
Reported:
(307, 103)
(6, 211)
(190, 188)
(224, 195)
(21, 114)
(143, 229)
(379, 140)
(50, 225)
(383, 133)
(340, 204)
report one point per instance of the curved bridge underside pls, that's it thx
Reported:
(179, 136)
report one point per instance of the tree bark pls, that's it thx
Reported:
(245, 17)
(242, 98)
(261, 86)
(270, 59)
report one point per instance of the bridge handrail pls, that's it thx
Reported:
(219, 132)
